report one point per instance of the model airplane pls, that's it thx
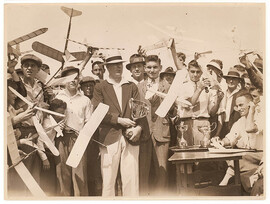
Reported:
(14, 53)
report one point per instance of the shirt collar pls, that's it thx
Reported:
(192, 82)
(151, 80)
(66, 92)
(28, 85)
(123, 81)
(135, 81)
(235, 91)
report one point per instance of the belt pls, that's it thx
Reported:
(69, 131)
(194, 118)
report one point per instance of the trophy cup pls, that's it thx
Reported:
(206, 130)
(182, 143)
(139, 109)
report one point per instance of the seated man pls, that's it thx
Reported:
(245, 133)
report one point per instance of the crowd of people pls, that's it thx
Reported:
(116, 163)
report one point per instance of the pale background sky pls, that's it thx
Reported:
(225, 28)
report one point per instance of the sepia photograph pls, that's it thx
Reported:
(134, 101)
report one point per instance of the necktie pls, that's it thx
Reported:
(151, 83)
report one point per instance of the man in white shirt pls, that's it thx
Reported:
(121, 149)
(196, 91)
(79, 110)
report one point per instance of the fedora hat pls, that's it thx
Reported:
(214, 64)
(232, 73)
(113, 57)
(168, 70)
(134, 59)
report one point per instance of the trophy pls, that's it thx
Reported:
(206, 130)
(182, 143)
(139, 109)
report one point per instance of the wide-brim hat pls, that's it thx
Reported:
(214, 64)
(87, 79)
(168, 70)
(135, 59)
(33, 58)
(232, 73)
(68, 69)
(113, 57)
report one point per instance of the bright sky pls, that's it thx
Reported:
(223, 28)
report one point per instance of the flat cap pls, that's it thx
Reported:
(33, 58)
(87, 79)
(68, 69)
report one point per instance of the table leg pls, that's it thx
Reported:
(190, 181)
(237, 171)
(181, 178)
(178, 178)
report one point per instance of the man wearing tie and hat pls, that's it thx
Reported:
(136, 67)
(116, 92)
(227, 113)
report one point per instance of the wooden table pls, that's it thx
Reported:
(185, 186)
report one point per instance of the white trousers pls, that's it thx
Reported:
(127, 156)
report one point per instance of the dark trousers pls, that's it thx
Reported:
(160, 165)
(224, 130)
(145, 156)
(48, 180)
(93, 168)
